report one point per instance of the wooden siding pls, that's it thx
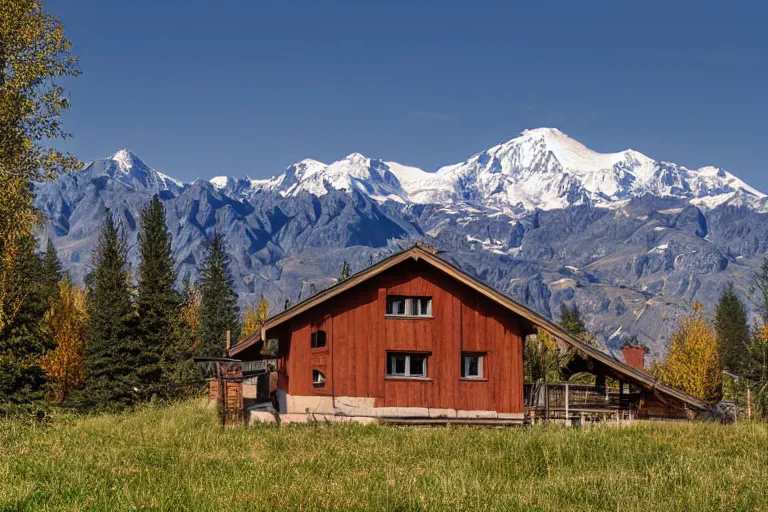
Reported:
(359, 337)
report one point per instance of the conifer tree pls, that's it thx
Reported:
(570, 319)
(760, 284)
(219, 312)
(180, 373)
(22, 341)
(345, 272)
(733, 333)
(111, 352)
(157, 302)
(50, 272)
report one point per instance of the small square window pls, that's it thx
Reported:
(318, 379)
(318, 339)
(472, 366)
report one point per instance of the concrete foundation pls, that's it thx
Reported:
(301, 409)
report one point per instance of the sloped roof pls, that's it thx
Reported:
(631, 374)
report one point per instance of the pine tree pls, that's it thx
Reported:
(181, 375)
(157, 302)
(219, 312)
(22, 340)
(756, 371)
(50, 272)
(111, 351)
(345, 272)
(693, 362)
(570, 319)
(733, 333)
(760, 285)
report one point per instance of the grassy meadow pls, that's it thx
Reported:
(178, 458)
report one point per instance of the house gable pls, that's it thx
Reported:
(526, 319)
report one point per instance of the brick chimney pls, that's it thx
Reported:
(634, 355)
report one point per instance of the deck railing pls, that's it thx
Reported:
(569, 401)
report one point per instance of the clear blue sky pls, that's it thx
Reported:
(201, 88)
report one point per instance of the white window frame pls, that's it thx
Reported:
(318, 382)
(408, 309)
(465, 364)
(407, 375)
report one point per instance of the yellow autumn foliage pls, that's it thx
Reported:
(65, 322)
(693, 362)
(255, 316)
(34, 54)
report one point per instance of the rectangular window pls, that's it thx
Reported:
(406, 365)
(472, 366)
(318, 339)
(409, 306)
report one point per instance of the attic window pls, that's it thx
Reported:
(318, 339)
(318, 379)
(409, 306)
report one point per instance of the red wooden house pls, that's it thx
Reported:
(414, 339)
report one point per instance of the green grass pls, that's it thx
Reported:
(178, 458)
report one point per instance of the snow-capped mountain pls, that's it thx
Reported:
(631, 240)
(540, 169)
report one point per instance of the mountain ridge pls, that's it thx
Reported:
(633, 256)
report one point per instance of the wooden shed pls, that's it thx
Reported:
(414, 339)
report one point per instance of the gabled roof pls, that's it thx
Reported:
(631, 374)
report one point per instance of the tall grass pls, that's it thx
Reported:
(178, 458)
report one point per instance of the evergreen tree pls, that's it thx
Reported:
(22, 340)
(158, 304)
(50, 272)
(760, 285)
(345, 272)
(733, 333)
(219, 312)
(570, 319)
(111, 351)
(180, 373)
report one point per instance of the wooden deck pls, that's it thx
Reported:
(583, 402)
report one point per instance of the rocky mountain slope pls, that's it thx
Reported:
(631, 240)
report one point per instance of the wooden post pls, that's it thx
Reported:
(567, 417)
(229, 341)
(749, 403)
(222, 402)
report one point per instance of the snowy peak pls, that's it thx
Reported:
(542, 168)
(126, 168)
